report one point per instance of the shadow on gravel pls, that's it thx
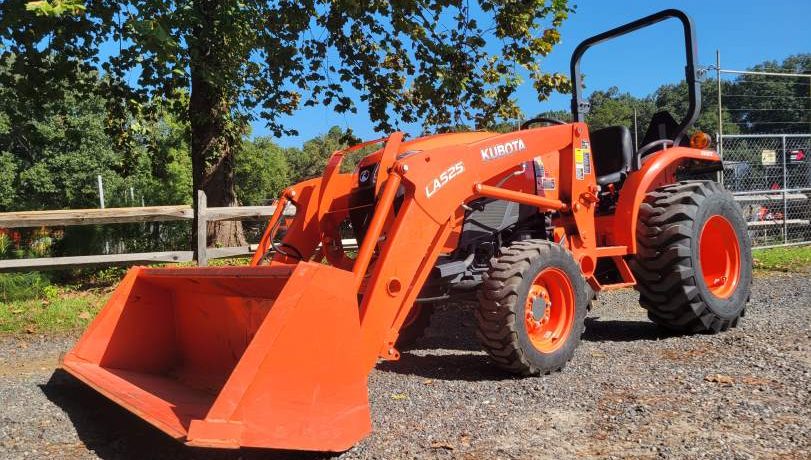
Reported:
(452, 328)
(623, 331)
(467, 367)
(463, 339)
(450, 351)
(436, 362)
(111, 432)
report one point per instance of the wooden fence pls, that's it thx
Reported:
(202, 253)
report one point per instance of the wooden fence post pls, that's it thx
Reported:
(202, 230)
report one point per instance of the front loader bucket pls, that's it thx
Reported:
(233, 356)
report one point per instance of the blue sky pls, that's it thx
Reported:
(746, 33)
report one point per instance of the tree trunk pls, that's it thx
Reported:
(212, 145)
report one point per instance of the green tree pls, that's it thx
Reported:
(769, 104)
(310, 160)
(8, 167)
(673, 98)
(57, 153)
(8, 171)
(410, 61)
(261, 171)
(163, 143)
(562, 115)
(612, 108)
(51, 150)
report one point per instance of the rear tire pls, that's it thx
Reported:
(532, 306)
(694, 261)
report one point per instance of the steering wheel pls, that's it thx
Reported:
(646, 149)
(532, 121)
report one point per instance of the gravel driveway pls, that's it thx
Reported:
(631, 391)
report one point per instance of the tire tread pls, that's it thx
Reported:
(663, 266)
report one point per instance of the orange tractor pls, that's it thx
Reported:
(536, 222)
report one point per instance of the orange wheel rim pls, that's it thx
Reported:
(719, 256)
(549, 310)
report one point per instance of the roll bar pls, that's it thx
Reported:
(580, 106)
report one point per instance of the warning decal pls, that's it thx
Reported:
(578, 164)
(540, 171)
(542, 181)
(582, 161)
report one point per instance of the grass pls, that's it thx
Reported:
(21, 286)
(32, 303)
(67, 311)
(785, 259)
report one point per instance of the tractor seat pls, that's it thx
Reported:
(613, 151)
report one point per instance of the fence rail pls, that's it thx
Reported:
(95, 216)
(126, 215)
(201, 254)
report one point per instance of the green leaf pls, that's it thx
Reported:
(55, 8)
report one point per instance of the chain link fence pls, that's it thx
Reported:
(770, 176)
(764, 121)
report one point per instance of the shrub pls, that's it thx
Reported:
(41, 247)
(24, 286)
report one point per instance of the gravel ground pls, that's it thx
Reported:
(631, 391)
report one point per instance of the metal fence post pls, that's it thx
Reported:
(202, 230)
(720, 106)
(719, 175)
(785, 187)
(720, 133)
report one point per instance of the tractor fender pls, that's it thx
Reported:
(655, 171)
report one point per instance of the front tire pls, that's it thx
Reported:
(532, 307)
(694, 261)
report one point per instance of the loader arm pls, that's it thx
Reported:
(388, 272)
(425, 218)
